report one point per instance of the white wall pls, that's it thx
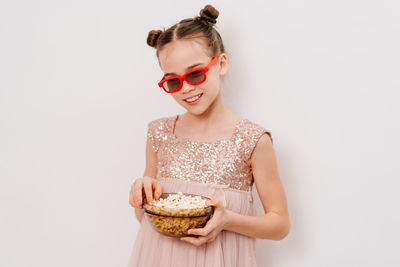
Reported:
(78, 86)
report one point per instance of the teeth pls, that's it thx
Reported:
(193, 98)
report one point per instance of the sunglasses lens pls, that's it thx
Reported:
(172, 84)
(195, 77)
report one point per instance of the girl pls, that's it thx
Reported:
(207, 151)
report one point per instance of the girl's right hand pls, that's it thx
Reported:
(144, 186)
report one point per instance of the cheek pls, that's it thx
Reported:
(214, 81)
(212, 88)
(174, 96)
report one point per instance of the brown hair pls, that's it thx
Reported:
(198, 27)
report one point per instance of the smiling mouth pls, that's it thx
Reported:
(192, 99)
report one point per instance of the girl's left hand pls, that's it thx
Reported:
(213, 227)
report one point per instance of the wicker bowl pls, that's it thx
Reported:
(176, 222)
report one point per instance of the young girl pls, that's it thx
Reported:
(208, 151)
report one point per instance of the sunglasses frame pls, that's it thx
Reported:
(183, 77)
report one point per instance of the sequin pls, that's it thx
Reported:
(220, 162)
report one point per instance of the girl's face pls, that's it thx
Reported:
(177, 58)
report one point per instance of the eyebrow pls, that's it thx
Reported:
(188, 68)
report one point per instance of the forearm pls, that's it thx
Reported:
(139, 214)
(268, 226)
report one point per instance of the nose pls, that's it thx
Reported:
(186, 87)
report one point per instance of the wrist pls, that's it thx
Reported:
(229, 220)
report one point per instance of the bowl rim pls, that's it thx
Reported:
(209, 213)
(173, 216)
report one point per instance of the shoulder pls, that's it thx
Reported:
(250, 135)
(263, 154)
(159, 129)
(162, 124)
(254, 131)
(263, 147)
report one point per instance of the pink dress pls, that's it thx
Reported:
(214, 169)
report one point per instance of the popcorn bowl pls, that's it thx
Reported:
(176, 222)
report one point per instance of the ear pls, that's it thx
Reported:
(223, 64)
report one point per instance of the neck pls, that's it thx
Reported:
(217, 112)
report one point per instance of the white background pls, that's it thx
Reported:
(78, 87)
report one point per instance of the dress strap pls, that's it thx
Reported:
(247, 136)
(158, 130)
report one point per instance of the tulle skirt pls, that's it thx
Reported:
(229, 249)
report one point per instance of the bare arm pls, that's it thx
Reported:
(274, 224)
(150, 170)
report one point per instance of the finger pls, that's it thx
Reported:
(132, 195)
(131, 199)
(157, 190)
(197, 241)
(197, 231)
(213, 202)
(212, 238)
(205, 231)
(137, 192)
(147, 186)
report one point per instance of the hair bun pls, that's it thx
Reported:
(153, 37)
(209, 14)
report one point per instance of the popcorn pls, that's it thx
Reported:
(181, 201)
(174, 214)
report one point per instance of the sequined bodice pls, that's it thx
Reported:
(221, 162)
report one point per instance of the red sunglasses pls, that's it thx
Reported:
(193, 77)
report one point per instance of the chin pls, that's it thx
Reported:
(196, 110)
(200, 108)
